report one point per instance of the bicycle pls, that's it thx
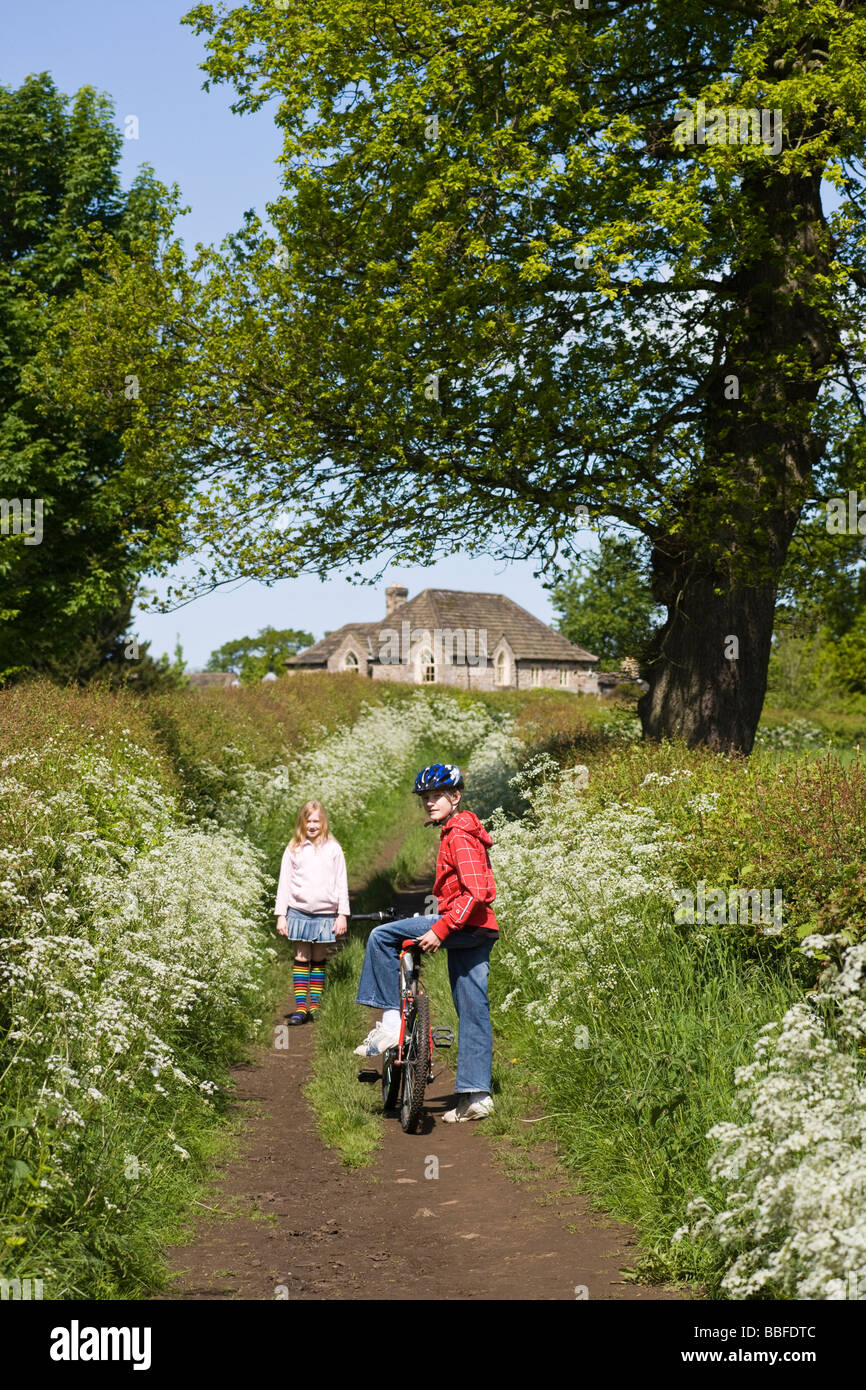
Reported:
(407, 1068)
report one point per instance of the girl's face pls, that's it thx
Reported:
(439, 805)
(314, 825)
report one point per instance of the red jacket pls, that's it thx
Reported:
(464, 879)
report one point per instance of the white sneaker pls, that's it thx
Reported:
(363, 1050)
(378, 1040)
(471, 1105)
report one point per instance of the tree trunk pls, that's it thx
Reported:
(717, 571)
(708, 664)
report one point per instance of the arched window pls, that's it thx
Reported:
(351, 662)
(502, 669)
(428, 667)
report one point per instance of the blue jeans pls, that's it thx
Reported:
(468, 969)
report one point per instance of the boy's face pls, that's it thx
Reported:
(439, 805)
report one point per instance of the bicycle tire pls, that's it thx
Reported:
(390, 1080)
(416, 1067)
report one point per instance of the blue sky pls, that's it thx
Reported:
(149, 65)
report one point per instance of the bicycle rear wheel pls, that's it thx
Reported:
(416, 1066)
(390, 1080)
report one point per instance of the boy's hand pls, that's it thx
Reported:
(429, 941)
(340, 926)
(282, 926)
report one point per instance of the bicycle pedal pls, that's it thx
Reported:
(371, 1077)
(443, 1037)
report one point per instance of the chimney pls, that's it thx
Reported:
(395, 594)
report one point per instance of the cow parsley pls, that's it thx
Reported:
(794, 1223)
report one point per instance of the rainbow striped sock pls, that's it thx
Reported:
(317, 984)
(301, 984)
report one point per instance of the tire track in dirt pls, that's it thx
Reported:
(294, 1223)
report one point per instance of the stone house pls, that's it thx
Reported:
(207, 679)
(476, 641)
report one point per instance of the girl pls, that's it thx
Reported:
(312, 903)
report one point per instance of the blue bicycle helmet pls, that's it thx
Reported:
(438, 777)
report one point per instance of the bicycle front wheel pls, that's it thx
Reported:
(416, 1067)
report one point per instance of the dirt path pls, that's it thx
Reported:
(291, 1221)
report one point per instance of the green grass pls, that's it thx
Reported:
(348, 1113)
(631, 1110)
(416, 857)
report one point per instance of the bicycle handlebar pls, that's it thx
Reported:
(390, 914)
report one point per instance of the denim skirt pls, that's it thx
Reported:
(305, 927)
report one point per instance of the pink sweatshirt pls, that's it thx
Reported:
(313, 880)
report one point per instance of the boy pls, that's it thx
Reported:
(465, 926)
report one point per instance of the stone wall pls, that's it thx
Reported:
(549, 678)
(481, 677)
(466, 677)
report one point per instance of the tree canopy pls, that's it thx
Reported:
(530, 260)
(71, 242)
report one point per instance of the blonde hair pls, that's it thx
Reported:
(300, 834)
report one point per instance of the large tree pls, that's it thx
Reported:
(252, 657)
(82, 520)
(507, 286)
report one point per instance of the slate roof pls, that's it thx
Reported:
(530, 639)
(318, 654)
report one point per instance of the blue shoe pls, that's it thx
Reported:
(301, 1017)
